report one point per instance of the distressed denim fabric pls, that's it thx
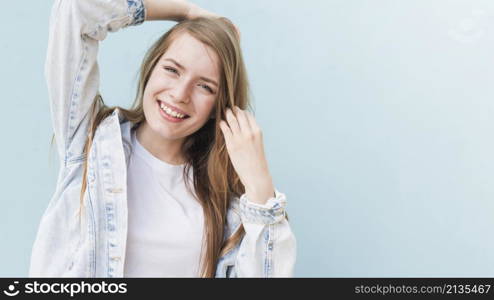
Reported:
(95, 247)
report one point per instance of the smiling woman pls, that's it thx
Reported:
(176, 186)
(179, 88)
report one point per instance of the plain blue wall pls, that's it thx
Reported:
(377, 117)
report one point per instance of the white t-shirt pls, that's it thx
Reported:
(165, 227)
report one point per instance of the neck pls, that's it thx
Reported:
(165, 150)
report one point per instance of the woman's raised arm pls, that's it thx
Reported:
(71, 69)
(175, 10)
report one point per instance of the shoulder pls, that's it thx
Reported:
(114, 122)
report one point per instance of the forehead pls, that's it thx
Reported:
(193, 55)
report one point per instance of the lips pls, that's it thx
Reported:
(174, 108)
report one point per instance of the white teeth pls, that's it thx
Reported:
(171, 112)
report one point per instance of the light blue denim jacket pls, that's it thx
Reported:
(95, 247)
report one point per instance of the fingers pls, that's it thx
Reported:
(195, 11)
(252, 121)
(232, 122)
(242, 119)
(227, 133)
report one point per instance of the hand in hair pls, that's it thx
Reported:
(243, 139)
(196, 12)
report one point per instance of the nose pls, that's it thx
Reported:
(180, 92)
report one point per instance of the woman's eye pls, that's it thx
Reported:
(207, 88)
(170, 70)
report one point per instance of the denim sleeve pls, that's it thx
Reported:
(71, 69)
(268, 248)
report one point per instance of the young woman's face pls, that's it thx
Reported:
(185, 79)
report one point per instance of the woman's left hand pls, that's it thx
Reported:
(244, 144)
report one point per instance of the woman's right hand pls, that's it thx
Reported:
(196, 12)
(177, 10)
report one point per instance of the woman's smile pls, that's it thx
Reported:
(169, 114)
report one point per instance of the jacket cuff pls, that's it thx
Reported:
(136, 11)
(273, 211)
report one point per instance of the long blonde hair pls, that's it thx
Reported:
(214, 178)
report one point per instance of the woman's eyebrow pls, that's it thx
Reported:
(175, 62)
(182, 67)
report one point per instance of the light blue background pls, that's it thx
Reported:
(377, 117)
